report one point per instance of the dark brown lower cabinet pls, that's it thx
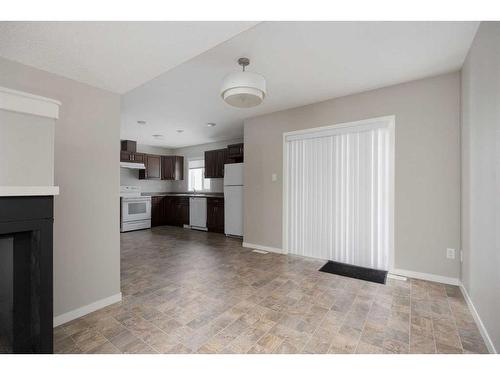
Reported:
(169, 210)
(179, 211)
(215, 215)
(172, 210)
(156, 211)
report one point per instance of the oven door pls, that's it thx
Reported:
(136, 209)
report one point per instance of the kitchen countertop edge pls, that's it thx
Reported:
(184, 194)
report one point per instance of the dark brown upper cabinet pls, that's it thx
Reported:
(128, 152)
(214, 163)
(172, 167)
(157, 167)
(139, 158)
(126, 156)
(130, 146)
(132, 157)
(153, 168)
(235, 152)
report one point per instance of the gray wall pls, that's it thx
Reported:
(427, 178)
(27, 149)
(481, 176)
(86, 226)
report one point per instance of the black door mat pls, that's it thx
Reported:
(355, 272)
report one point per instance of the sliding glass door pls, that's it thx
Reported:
(339, 184)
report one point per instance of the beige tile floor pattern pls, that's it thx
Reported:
(193, 292)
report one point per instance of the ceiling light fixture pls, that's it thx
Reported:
(211, 124)
(179, 130)
(243, 89)
(141, 122)
(157, 136)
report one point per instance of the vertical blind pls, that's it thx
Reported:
(338, 196)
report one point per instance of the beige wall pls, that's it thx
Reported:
(427, 192)
(86, 226)
(481, 176)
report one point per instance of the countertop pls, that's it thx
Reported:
(184, 194)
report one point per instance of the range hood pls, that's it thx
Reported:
(125, 164)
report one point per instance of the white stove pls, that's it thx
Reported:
(135, 209)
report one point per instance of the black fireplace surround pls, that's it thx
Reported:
(26, 315)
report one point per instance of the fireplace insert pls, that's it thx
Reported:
(26, 313)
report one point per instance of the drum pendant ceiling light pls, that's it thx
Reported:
(243, 89)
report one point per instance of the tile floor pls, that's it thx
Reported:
(193, 292)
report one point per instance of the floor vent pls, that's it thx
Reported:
(259, 251)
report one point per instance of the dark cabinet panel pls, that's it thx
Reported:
(125, 156)
(153, 168)
(174, 211)
(139, 158)
(168, 168)
(157, 214)
(179, 168)
(128, 156)
(209, 164)
(181, 211)
(214, 163)
(235, 152)
(172, 167)
(130, 146)
(167, 210)
(215, 215)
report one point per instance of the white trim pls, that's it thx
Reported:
(87, 309)
(396, 277)
(376, 122)
(18, 191)
(23, 102)
(344, 127)
(426, 276)
(264, 248)
(477, 319)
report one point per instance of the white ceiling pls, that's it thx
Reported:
(116, 56)
(303, 62)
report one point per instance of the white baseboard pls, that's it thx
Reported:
(396, 277)
(426, 276)
(479, 322)
(87, 309)
(262, 247)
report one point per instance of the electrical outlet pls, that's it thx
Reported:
(274, 177)
(450, 253)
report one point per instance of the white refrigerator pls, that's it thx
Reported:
(233, 199)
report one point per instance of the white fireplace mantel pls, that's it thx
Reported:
(23, 191)
(27, 127)
(23, 102)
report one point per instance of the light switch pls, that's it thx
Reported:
(274, 177)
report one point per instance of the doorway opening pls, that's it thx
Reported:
(338, 193)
